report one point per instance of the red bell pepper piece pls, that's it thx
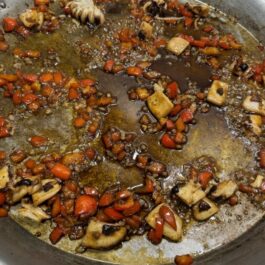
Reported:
(168, 216)
(168, 142)
(85, 204)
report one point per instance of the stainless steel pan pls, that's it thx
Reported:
(18, 247)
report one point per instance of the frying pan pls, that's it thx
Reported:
(18, 247)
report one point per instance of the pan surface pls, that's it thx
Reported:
(230, 152)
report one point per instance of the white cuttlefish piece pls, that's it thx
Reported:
(86, 11)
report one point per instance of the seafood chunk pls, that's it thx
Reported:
(86, 11)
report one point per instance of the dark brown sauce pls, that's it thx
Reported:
(184, 71)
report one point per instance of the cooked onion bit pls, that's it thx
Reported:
(204, 209)
(217, 93)
(168, 232)
(100, 235)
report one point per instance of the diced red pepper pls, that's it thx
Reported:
(47, 91)
(258, 69)
(73, 94)
(262, 158)
(132, 210)
(9, 77)
(208, 28)
(179, 138)
(61, 171)
(172, 90)
(46, 77)
(58, 78)
(168, 142)
(41, 2)
(204, 178)
(186, 115)
(134, 71)
(180, 125)
(90, 153)
(4, 132)
(29, 98)
(23, 31)
(3, 46)
(188, 21)
(224, 44)
(188, 38)
(30, 164)
(56, 235)
(3, 212)
(2, 121)
(30, 78)
(79, 122)
(38, 141)
(123, 194)
(2, 155)
(170, 125)
(86, 204)
(113, 214)
(9, 24)
(106, 199)
(184, 11)
(122, 205)
(184, 260)
(108, 66)
(134, 221)
(168, 216)
(158, 43)
(155, 235)
(2, 198)
(2, 82)
(148, 188)
(56, 207)
(199, 43)
(91, 191)
(177, 108)
(87, 82)
(33, 54)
